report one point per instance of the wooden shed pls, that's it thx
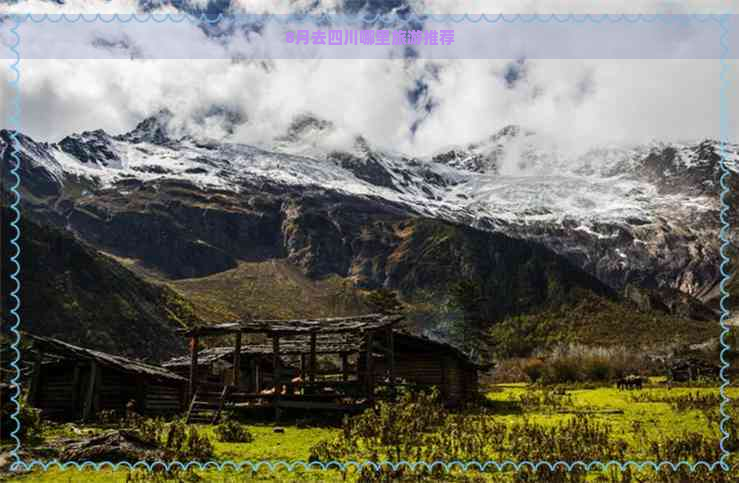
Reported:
(373, 359)
(70, 382)
(420, 361)
(340, 388)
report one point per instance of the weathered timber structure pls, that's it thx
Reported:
(71, 383)
(215, 367)
(372, 359)
(424, 362)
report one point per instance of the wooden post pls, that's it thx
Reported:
(35, 379)
(344, 366)
(258, 377)
(253, 385)
(90, 396)
(193, 367)
(75, 389)
(276, 374)
(140, 394)
(237, 359)
(312, 358)
(391, 348)
(303, 367)
(370, 368)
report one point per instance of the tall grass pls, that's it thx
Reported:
(575, 363)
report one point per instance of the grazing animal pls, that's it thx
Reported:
(630, 382)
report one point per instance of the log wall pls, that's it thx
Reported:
(56, 395)
(62, 391)
(456, 380)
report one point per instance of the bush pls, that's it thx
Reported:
(577, 363)
(597, 369)
(182, 439)
(534, 369)
(518, 370)
(230, 431)
(562, 370)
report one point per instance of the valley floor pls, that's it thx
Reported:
(652, 423)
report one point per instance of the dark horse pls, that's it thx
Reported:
(630, 382)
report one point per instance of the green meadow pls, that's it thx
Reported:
(512, 422)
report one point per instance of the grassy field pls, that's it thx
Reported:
(272, 289)
(517, 421)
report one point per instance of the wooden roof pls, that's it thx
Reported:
(325, 344)
(289, 345)
(56, 347)
(336, 325)
(403, 337)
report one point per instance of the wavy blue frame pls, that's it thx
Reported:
(14, 122)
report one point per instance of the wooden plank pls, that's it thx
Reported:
(253, 379)
(276, 371)
(141, 399)
(314, 405)
(192, 405)
(75, 386)
(193, 366)
(35, 379)
(237, 360)
(221, 403)
(312, 375)
(344, 366)
(89, 398)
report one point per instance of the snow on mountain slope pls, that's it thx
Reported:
(645, 214)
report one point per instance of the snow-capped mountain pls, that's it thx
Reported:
(647, 214)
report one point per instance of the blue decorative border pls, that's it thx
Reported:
(14, 121)
(723, 234)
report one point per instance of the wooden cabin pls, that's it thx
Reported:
(340, 389)
(70, 383)
(420, 362)
(369, 353)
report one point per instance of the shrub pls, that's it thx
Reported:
(597, 369)
(182, 439)
(577, 363)
(562, 370)
(109, 416)
(230, 431)
(534, 369)
(518, 370)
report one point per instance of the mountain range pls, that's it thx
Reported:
(540, 230)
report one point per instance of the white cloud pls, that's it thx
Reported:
(573, 102)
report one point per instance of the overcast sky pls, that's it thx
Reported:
(413, 106)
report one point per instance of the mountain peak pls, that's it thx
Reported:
(154, 129)
(304, 125)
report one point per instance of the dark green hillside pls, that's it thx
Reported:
(593, 320)
(514, 276)
(70, 291)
